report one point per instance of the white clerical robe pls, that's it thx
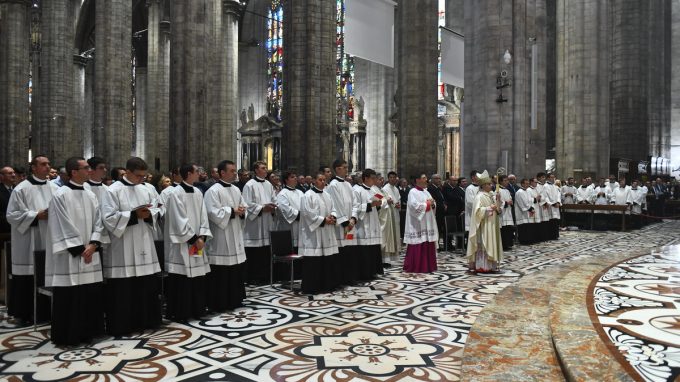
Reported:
(524, 203)
(538, 208)
(421, 223)
(156, 209)
(163, 197)
(568, 199)
(257, 193)
(73, 222)
(612, 186)
(368, 229)
(638, 197)
(543, 202)
(226, 248)
(28, 233)
(622, 196)
(602, 195)
(316, 238)
(506, 211)
(584, 194)
(342, 195)
(470, 193)
(485, 230)
(99, 189)
(186, 218)
(553, 196)
(132, 252)
(389, 224)
(288, 218)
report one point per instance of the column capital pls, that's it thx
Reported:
(232, 6)
(23, 2)
(164, 25)
(152, 2)
(78, 59)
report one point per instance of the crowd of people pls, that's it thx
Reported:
(195, 240)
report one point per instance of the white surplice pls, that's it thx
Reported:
(288, 218)
(553, 196)
(186, 218)
(316, 238)
(506, 208)
(256, 193)
(524, 203)
(226, 247)
(132, 252)
(73, 222)
(421, 223)
(389, 224)
(470, 193)
(28, 233)
(342, 195)
(568, 199)
(368, 231)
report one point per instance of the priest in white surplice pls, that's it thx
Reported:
(421, 234)
(389, 221)
(318, 243)
(226, 250)
(131, 266)
(72, 262)
(367, 205)
(288, 203)
(27, 214)
(554, 201)
(342, 195)
(186, 228)
(470, 193)
(568, 192)
(258, 194)
(525, 214)
(507, 222)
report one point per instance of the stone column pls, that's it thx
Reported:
(582, 141)
(155, 144)
(113, 81)
(675, 85)
(658, 66)
(223, 119)
(416, 49)
(142, 133)
(375, 83)
(309, 106)
(55, 135)
(191, 45)
(14, 72)
(82, 130)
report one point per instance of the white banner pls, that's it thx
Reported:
(369, 30)
(453, 58)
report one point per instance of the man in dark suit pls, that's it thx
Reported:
(435, 189)
(454, 205)
(7, 176)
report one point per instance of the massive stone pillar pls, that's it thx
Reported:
(505, 45)
(56, 136)
(141, 131)
(375, 83)
(14, 72)
(582, 141)
(224, 117)
(82, 128)
(113, 81)
(675, 86)
(156, 144)
(416, 71)
(658, 66)
(309, 133)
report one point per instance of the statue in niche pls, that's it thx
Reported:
(244, 119)
(245, 161)
(342, 110)
(359, 109)
(251, 113)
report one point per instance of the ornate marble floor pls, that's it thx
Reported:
(404, 327)
(636, 308)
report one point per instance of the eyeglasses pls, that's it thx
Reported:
(84, 168)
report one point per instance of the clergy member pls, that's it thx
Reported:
(525, 214)
(186, 228)
(131, 264)
(95, 181)
(470, 193)
(318, 243)
(485, 251)
(420, 234)
(367, 205)
(389, 221)
(226, 251)
(258, 194)
(553, 196)
(72, 262)
(288, 202)
(507, 222)
(27, 214)
(342, 195)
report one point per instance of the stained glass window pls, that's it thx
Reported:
(275, 59)
(441, 87)
(344, 71)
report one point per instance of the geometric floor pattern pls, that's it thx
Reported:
(637, 305)
(401, 327)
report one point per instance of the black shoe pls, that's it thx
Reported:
(387, 265)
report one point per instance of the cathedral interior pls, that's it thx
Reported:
(581, 88)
